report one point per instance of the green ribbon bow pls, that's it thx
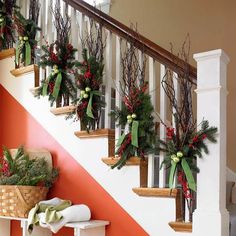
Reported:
(134, 133)
(189, 175)
(89, 107)
(187, 171)
(57, 85)
(19, 49)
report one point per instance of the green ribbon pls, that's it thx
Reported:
(27, 53)
(134, 133)
(172, 174)
(189, 175)
(120, 140)
(17, 53)
(89, 107)
(57, 85)
(45, 87)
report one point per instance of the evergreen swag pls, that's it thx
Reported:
(27, 29)
(7, 25)
(90, 78)
(21, 170)
(60, 57)
(184, 141)
(136, 111)
(182, 150)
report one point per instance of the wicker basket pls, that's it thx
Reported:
(16, 201)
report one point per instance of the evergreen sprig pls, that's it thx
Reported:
(89, 82)
(21, 170)
(27, 30)
(135, 107)
(7, 25)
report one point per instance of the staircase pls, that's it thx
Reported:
(155, 207)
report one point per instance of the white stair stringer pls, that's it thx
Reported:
(153, 214)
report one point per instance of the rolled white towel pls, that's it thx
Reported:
(73, 213)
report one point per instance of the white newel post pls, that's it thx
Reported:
(211, 217)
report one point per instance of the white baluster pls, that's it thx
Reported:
(177, 94)
(49, 25)
(152, 91)
(74, 30)
(108, 79)
(81, 19)
(163, 116)
(118, 89)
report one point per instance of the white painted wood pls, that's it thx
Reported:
(74, 30)
(118, 90)
(50, 28)
(80, 18)
(163, 116)
(5, 227)
(108, 79)
(88, 224)
(177, 94)
(152, 91)
(211, 216)
(141, 60)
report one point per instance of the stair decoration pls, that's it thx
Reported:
(90, 78)
(24, 181)
(27, 30)
(136, 111)
(59, 56)
(183, 143)
(7, 24)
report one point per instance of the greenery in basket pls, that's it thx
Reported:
(7, 25)
(27, 30)
(21, 170)
(59, 56)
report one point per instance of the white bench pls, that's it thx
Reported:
(86, 228)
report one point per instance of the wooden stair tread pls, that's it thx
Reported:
(63, 110)
(34, 90)
(27, 69)
(110, 161)
(181, 226)
(7, 53)
(156, 192)
(96, 133)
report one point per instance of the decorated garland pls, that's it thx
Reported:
(136, 113)
(184, 142)
(7, 25)
(90, 78)
(89, 83)
(182, 152)
(27, 29)
(60, 57)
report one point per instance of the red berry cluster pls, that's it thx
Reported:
(184, 185)
(125, 143)
(170, 132)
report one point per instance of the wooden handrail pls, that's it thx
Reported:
(150, 48)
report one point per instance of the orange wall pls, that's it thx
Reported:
(18, 127)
